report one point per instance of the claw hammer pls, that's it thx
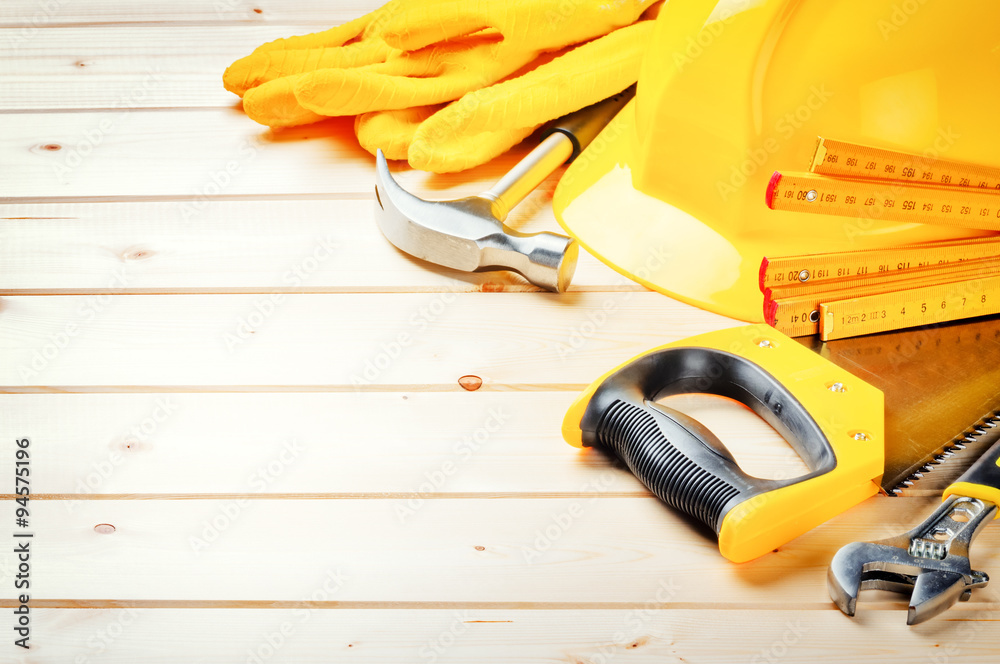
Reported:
(468, 234)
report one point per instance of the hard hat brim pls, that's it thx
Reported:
(670, 250)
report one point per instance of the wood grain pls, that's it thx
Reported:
(337, 341)
(463, 550)
(448, 444)
(34, 16)
(644, 634)
(240, 246)
(140, 67)
(196, 155)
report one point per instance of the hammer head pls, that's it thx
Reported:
(465, 234)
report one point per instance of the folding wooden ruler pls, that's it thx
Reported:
(846, 294)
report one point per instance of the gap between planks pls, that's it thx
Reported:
(56, 603)
(239, 389)
(377, 495)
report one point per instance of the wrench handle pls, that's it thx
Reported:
(981, 480)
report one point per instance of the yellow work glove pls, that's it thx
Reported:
(413, 53)
(486, 123)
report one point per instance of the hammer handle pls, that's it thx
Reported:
(583, 126)
(561, 142)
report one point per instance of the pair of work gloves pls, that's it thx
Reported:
(448, 84)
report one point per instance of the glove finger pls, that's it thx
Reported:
(471, 56)
(261, 67)
(433, 75)
(434, 148)
(426, 23)
(579, 77)
(336, 36)
(539, 24)
(274, 104)
(391, 131)
(351, 91)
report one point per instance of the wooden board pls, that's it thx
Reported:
(142, 67)
(377, 339)
(240, 246)
(329, 444)
(33, 17)
(193, 156)
(641, 634)
(404, 550)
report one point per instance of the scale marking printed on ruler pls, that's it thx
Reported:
(795, 310)
(909, 308)
(848, 294)
(850, 160)
(815, 268)
(889, 201)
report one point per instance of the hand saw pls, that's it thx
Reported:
(939, 381)
(829, 408)
(832, 419)
(942, 393)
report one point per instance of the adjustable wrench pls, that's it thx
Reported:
(931, 561)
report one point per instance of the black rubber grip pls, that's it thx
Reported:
(678, 458)
(635, 436)
(584, 125)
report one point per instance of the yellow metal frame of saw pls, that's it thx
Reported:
(671, 193)
(763, 523)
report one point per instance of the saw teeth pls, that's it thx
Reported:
(958, 446)
(968, 438)
(979, 431)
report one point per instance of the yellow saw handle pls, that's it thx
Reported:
(831, 418)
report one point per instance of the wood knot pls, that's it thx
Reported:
(52, 147)
(257, 10)
(136, 254)
(480, 548)
(104, 528)
(470, 383)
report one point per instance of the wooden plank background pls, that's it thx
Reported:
(248, 438)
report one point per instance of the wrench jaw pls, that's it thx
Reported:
(930, 563)
(868, 566)
(934, 592)
(844, 577)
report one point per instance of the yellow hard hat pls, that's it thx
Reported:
(672, 193)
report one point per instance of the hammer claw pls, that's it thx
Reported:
(465, 234)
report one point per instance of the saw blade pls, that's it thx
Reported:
(942, 397)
